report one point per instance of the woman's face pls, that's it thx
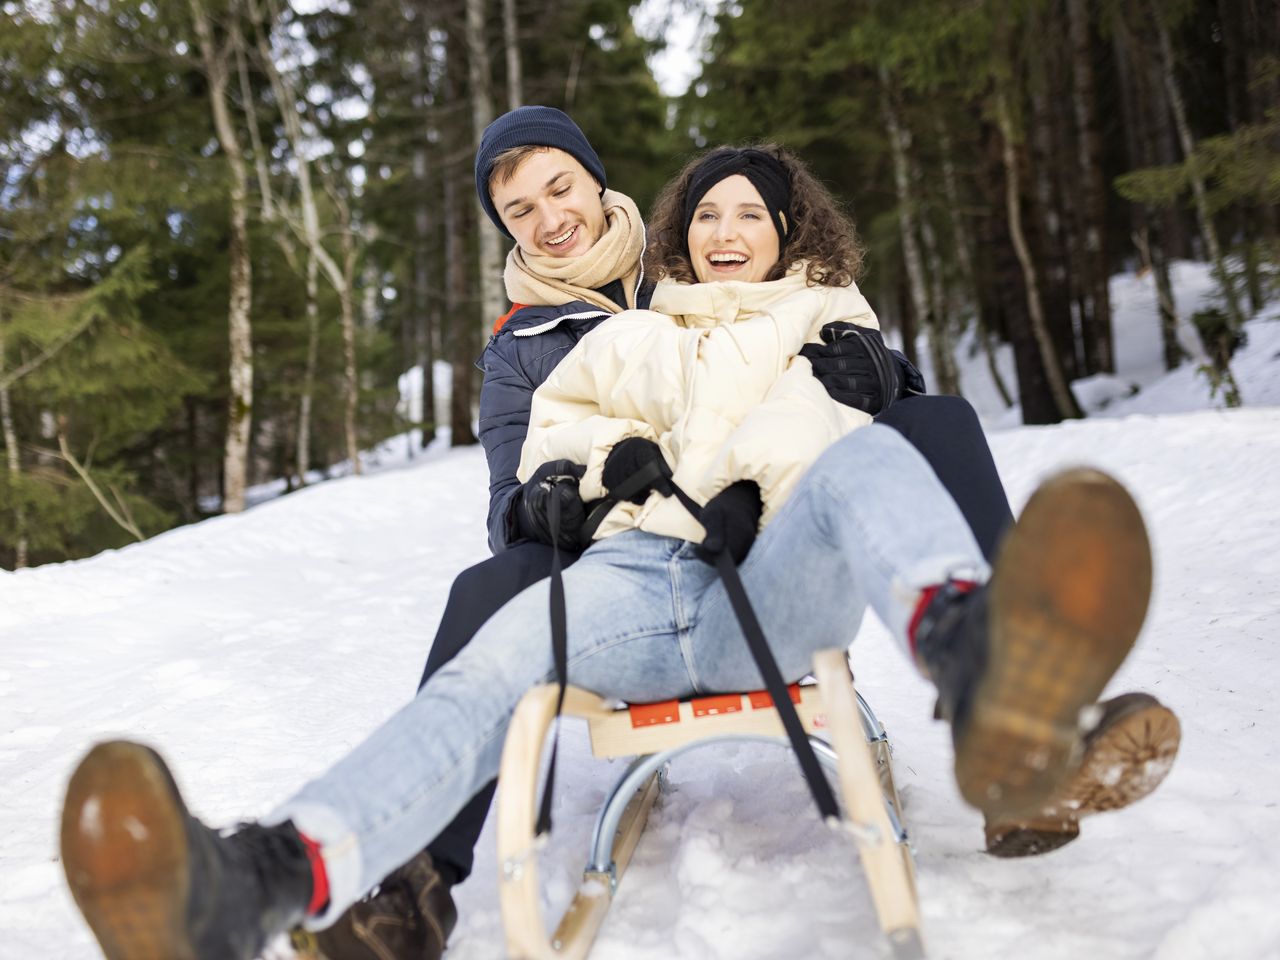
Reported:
(731, 236)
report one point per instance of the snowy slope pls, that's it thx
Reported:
(254, 649)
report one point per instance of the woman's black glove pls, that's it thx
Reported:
(858, 370)
(631, 457)
(731, 519)
(554, 480)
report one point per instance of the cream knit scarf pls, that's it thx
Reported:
(535, 280)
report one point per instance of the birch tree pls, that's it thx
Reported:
(216, 58)
(479, 74)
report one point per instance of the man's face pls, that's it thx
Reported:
(551, 205)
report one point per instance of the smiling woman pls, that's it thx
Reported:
(731, 236)
(807, 222)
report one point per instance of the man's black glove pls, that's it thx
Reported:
(731, 519)
(858, 370)
(554, 480)
(630, 457)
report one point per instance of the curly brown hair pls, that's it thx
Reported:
(824, 235)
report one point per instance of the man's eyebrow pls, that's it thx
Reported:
(545, 186)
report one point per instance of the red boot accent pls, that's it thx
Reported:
(319, 877)
(926, 598)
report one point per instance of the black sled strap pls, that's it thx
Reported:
(560, 659)
(757, 644)
(777, 688)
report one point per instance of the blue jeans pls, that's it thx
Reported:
(869, 524)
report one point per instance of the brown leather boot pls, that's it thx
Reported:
(154, 882)
(408, 917)
(1127, 755)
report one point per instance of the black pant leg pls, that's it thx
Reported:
(947, 432)
(476, 595)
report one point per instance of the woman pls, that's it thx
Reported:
(718, 393)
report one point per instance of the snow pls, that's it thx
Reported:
(254, 649)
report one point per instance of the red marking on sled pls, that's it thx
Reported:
(711, 706)
(652, 714)
(760, 699)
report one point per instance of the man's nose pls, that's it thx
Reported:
(549, 217)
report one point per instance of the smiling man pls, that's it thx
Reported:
(576, 262)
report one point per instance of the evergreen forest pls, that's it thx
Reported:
(229, 227)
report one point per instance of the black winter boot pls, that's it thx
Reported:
(408, 917)
(156, 884)
(1016, 661)
(951, 645)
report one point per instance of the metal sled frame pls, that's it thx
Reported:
(848, 738)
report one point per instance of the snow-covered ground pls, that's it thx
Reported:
(254, 649)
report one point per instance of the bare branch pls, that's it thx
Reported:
(47, 354)
(124, 522)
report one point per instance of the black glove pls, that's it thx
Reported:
(912, 378)
(628, 458)
(555, 480)
(855, 367)
(731, 519)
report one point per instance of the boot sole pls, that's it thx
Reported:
(1068, 598)
(1126, 763)
(124, 850)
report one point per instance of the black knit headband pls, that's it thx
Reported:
(766, 173)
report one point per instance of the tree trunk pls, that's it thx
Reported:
(1062, 397)
(235, 461)
(944, 356)
(492, 293)
(911, 254)
(1051, 233)
(1154, 262)
(511, 38)
(424, 334)
(337, 275)
(309, 375)
(459, 304)
(1097, 327)
(964, 257)
(13, 463)
(1198, 190)
(350, 379)
(460, 354)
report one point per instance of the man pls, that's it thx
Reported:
(576, 261)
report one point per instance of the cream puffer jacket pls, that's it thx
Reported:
(712, 374)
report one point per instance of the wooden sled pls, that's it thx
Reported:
(847, 736)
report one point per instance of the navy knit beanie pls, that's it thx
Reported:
(526, 127)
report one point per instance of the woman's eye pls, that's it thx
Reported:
(706, 215)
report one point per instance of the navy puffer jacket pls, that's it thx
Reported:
(517, 359)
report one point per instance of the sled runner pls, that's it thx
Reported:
(847, 736)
